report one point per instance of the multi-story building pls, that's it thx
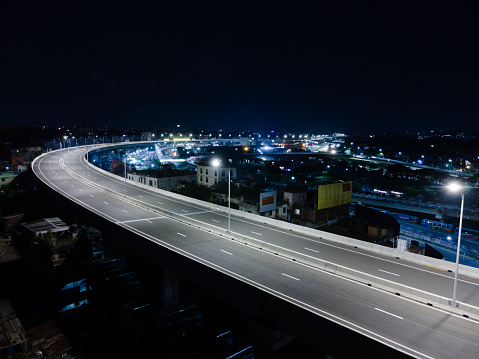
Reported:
(208, 175)
(24, 156)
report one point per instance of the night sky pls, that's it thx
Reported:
(335, 66)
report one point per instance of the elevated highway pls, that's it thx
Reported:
(387, 296)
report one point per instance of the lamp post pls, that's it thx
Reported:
(88, 168)
(229, 199)
(124, 169)
(216, 163)
(455, 187)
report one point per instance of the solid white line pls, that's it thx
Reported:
(139, 220)
(312, 250)
(286, 275)
(324, 240)
(226, 252)
(259, 234)
(305, 305)
(397, 275)
(181, 234)
(394, 315)
(295, 300)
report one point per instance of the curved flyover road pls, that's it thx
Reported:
(409, 326)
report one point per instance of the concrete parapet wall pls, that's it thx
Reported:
(361, 277)
(374, 248)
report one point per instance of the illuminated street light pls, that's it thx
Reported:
(216, 163)
(455, 187)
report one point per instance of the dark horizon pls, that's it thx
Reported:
(341, 67)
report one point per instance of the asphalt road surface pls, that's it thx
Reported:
(413, 328)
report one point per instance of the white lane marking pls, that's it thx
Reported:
(184, 210)
(113, 185)
(92, 195)
(160, 202)
(81, 190)
(124, 210)
(226, 252)
(397, 275)
(324, 240)
(148, 221)
(304, 304)
(105, 202)
(259, 234)
(102, 181)
(394, 315)
(181, 234)
(287, 275)
(72, 185)
(200, 212)
(215, 220)
(139, 220)
(140, 195)
(312, 250)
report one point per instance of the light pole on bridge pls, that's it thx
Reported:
(454, 187)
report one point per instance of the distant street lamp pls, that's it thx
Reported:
(124, 169)
(454, 187)
(216, 163)
(88, 168)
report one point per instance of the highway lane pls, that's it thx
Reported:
(413, 275)
(323, 293)
(409, 274)
(357, 306)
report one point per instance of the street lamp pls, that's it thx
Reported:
(454, 187)
(216, 163)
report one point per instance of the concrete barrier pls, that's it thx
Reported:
(427, 298)
(315, 233)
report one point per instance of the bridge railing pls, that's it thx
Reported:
(365, 278)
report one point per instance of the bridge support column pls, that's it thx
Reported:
(170, 288)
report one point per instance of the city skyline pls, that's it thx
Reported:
(343, 67)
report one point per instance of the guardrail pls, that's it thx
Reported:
(431, 299)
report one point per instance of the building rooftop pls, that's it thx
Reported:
(54, 224)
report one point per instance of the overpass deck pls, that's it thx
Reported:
(309, 269)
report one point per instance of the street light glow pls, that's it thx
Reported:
(454, 187)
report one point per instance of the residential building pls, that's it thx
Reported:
(209, 175)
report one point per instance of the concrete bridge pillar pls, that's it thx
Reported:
(170, 288)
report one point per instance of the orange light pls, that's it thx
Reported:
(246, 148)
